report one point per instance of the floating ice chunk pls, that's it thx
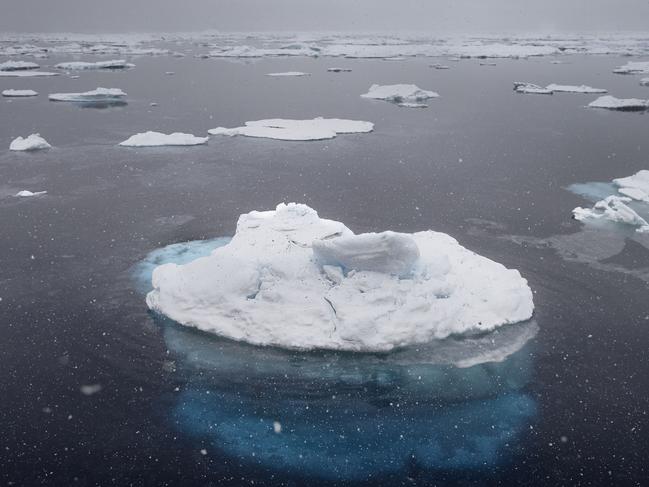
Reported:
(644, 81)
(615, 209)
(17, 66)
(635, 187)
(633, 67)
(157, 139)
(24, 193)
(19, 93)
(25, 74)
(268, 286)
(33, 142)
(339, 70)
(282, 129)
(529, 88)
(487, 64)
(90, 389)
(407, 104)
(439, 66)
(112, 64)
(289, 73)
(574, 89)
(98, 95)
(401, 93)
(612, 103)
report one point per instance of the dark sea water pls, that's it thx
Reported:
(567, 404)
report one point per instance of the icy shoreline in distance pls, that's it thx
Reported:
(291, 279)
(296, 130)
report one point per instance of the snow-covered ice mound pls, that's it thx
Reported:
(574, 89)
(112, 64)
(32, 142)
(615, 209)
(530, 88)
(157, 139)
(19, 93)
(291, 279)
(26, 74)
(612, 103)
(297, 130)
(98, 95)
(289, 73)
(633, 67)
(17, 66)
(25, 193)
(401, 93)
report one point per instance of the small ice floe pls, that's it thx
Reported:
(33, 142)
(17, 66)
(439, 66)
(112, 64)
(153, 104)
(574, 89)
(635, 187)
(170, 73)
(408, 104)
(633, 67)
(19, 93)
(339, 70)
(297, 130)
(291, 279)
(25, 194)
(74, 76)
(289, 73)
(98, 95)
(615, 209)
(25, 74)
(487, 64)
(157, 139)
(90, 389)
(403, 94)
(612, 103)
(644, 81)
(529, 88)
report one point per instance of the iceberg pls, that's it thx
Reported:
(615, 209)
(291, 279)
(98, 95)
(30, 143)
(633, 67)
(25, 74)
(574, 89)
(17, 66)
(289, 73)
(612, 103)
(400, 93)
(157, 139)
(19, 93)
(24, 193)
(529, 88)
(113, 64)
(297, 130)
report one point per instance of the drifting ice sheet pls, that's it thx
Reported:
(289, 278)
(157, 139)
(19, 93)
(574, 89)
(33, 142)
(612, 103)
(98, 95)
(283, 129)
(401, 93)
(113, 64)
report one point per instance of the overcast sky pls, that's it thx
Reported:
(434, 16)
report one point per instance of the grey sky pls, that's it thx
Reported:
(434, 16)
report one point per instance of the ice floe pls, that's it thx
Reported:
(530, 88)
(26, 74)
(297, 130)
(112, 64)
(574, 89)
(615, 209)
(32, 142)
(17, 66)
(157, 139)
(289, 73)
(19, 93)
(644, 81)
(612, 103)
(291, 279)
(339, 70)
(633, 67)
(406, 95)
(97, 95)
(635, 187)
(25, 193)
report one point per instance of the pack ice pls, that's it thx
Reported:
(112, 64)
(98, 95)
(291, 279)
(157, 139)
(32, 142)
(404, 94)
(297, 130)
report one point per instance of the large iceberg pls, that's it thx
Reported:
(297, 130)
(612, 103)
(157, 139)
(17, 66)
(401, 93)
(574, 89)
(32, 142)
(19, 93)
(98, 95)
(633, 67)
(291, 279)
(112, 64)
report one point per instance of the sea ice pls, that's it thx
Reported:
(612, 103)
(635, 187)
(32, 142)
(339, 70)
(401, 93)
(574, 89)
(633, 67)
(17, 66)
(291, 279)
(289, 73)
(24, 193)
(529, 88)
(98, 95)
(615, 209)
(19, 93)
(112, 64)
(283, 129)
(157, 139)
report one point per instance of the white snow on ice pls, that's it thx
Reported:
(32, 142)
(157, 139)
(297, 130)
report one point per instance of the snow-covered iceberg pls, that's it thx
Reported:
(25, 193)
(19, 93)
(112, 64)
(614, 209)
(157, 139)
(291, 279)
(400, 93)
(289, 73)
(612, 103)
(17, 66)
(574, 89)
(32, 142)
(98, 95)
(26, 74)
(297, 130)
(633, 67)
(530, 88)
